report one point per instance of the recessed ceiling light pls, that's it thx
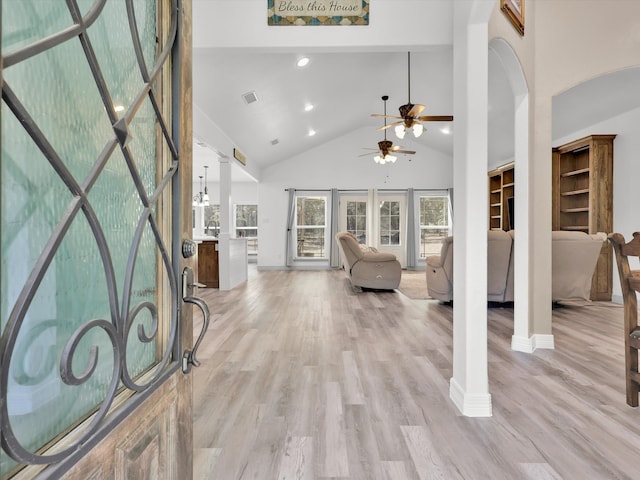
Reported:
(303, 62)
(119, 108)
(312, 132)
(308, 107)
(446, 130)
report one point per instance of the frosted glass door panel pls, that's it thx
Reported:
(84, 260)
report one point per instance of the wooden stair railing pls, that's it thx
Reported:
(630, 284)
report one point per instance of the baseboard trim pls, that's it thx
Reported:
(294, 267)
(522, 344)
(529, 345)
(543, 341)
(470, 405)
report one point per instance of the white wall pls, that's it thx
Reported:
(603, 38)
(235, 23)
(241, 192)
(626, 175)
(337, 165)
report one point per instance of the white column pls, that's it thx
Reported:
(224, 237)
(198, 227)
(469, 386)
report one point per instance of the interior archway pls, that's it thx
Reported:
(504, 65)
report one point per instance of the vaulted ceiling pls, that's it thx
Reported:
(345, 88)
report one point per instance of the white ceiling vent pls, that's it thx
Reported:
(250, 97)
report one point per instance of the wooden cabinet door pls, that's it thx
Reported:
(208, 269)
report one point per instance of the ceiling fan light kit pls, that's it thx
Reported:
(386, 159)
(385, 147)
(409, 118)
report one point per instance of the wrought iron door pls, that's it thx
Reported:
(90, 233)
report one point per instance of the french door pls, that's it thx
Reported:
(378, 220)
(390, 221)
(355, 217)
(95, 108)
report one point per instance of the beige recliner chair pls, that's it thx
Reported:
(365, 266)
(440, 272)
(574, 258)
(499, 269)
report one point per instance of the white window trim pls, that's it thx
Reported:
(327, 226)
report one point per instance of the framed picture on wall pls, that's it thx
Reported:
(514, 10)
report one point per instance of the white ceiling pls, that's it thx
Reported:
(346, 88)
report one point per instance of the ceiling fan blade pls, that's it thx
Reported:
(389, 126)
(366, 154)
(399, 149)
(416, 110)
(436, 118)
(380, 115)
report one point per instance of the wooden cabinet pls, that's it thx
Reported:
(501, 192)
(208, 269)
(583, 198)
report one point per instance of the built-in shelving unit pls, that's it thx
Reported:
(501, 190)
(583, 197)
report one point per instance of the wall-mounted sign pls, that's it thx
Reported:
(238, 155)
(318, 12)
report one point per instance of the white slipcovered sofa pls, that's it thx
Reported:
(365, 266)
(574, 258)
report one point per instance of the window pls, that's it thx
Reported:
(311, 227)
(212, 220)
(389, 223)
(357, 220)
(246, 225)
(434, 224)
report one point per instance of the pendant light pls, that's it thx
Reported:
(197, 199)
(205, 198)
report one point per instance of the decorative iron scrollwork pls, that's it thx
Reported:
(123, 316)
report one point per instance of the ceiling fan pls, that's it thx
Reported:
(409, 113)
(386, 147)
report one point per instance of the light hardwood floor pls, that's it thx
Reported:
(302, 378)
